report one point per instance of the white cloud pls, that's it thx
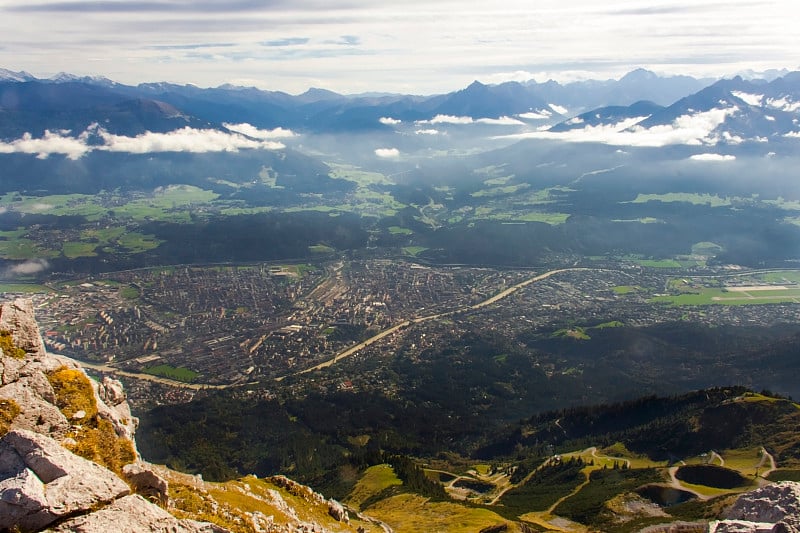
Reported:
(544, 114)
(50, 143)
(692, 129)
(559, 109)
(387, 153)
(784, 104)
(793, 134)
(447, 119)
(502, 121)
(450, 119)
(182, 140)
(33, 266)
(712, 157)
(254, 132)
(751, 99)
(389, 121)
(428, 132)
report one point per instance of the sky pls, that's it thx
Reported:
(413, 46)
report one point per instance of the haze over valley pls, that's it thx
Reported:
(539, 306)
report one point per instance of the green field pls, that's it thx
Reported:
(625, 289)
(716, 296)
(787, 277)
(691, 198)
(321, 249)
(170, 372)
(23, 288)
(397, 230)
(414, 250)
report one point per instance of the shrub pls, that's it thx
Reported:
(8, 412)
(95, 438)
(8, 346)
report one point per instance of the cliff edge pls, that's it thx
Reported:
(68, 459)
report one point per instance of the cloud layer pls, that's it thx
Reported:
(695, 129)
(183, 140)
(418, 47)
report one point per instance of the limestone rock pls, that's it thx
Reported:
(69, 483)
(770, 504)
(739, 526)
(338, 512)
(21, 495)
(18, 318)
(774, 508)
(146, 481)
(133, 514)
(36, 414)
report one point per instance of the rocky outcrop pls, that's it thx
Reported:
(45, 485)
(42, 482)
(134, 514)
(773, 508)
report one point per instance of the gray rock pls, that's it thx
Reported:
(18, 318)
(338, 512)
(21, 495)
(36, 414)
(146, 482)
(70, 483)
(771, 503)
(133, 514)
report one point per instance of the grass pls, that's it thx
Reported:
(606, 325)
(717, 296)
(397, 230)
(166, 371)
(23, 288)
(375, 480)
(93, 438)
(625, 289)
(414, 250)
(577, 333)
(691, 198)
(412, 513)
(320, 249)
(9, 409)
(791, 276)
(129, 293)
(73, 249)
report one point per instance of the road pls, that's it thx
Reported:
(357, 347)
(156, 379)
(485, 303)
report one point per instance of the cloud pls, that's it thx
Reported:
(252, 131)
(447, 119)
(428, 132)
(289, 41)
(389, 121)
(544, 114)
(387, 153)
(183, 140)
(450, 119)
(33, 266)
(559, 109)
(502, 121)
(50, 143)
(712, 157)
(692, 129)
(750, 99)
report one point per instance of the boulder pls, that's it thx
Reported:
(771, 503)
(70, 484)
(146, 482)
(18, 318)
(36, 414)
(133, 514)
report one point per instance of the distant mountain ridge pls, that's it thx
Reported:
(323, 110)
